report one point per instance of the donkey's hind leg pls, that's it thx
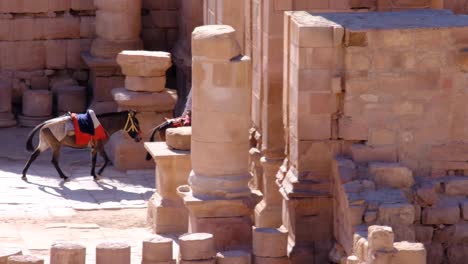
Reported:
(31, 159)
(55, 145)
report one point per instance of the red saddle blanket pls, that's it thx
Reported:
(84, 138)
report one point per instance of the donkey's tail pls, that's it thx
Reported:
(29, 145)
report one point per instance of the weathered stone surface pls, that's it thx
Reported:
(6, 96)
(435, 253)
(457, 254)
(426, 194)
(25, 259)
(5, 253)
(157, 249)
(145, 101)
(179, 138)
(380, 238)
(457, 186)
(270, 242)
(215, 42)
(145, 84)
(409, 253)
(441, 213)
(266, 260)
(391, 175)
(67, 252)
(125, 25)
(126, 154)
(362, 154)
(197, 246)
(399, 213)
(71, 99)
(140, 63)
(104, 48)
(37, 103)
(233, 257)
(424, 234)
(31, 121)
(113, 252)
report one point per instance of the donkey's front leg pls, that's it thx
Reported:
(93, 162)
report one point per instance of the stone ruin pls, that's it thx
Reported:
(357, 147)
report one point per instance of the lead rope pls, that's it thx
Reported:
(130, 124)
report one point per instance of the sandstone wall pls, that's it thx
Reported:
(43, 39)
(160, 24)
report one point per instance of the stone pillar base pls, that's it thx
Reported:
(167, 217)
(127, 154)
(230, 233)
(7, 120)
(230, 221)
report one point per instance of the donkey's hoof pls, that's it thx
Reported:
(24, 178)
(66, 179)
(97, 177)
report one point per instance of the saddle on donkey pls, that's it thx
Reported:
(87, 128)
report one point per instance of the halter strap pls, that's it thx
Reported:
(130, 125)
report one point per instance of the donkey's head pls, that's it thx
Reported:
(132, 126)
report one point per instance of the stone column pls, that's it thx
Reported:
(145, 93)
(37, 107)
(219, 199)
(166, 210)
(118, 26)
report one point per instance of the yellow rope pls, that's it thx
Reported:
(132, 126)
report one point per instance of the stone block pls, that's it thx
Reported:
(102, 87)
(364, 154)
(7, 252)
(157, 249)
(441, 213)
(71, 99)
(140, 63)
(233, 257)
(457, 254)
(67, 252)
(215, 42)
(407, 252)
(87, 26)
(22, 55)
(82, 5)
(396, 214)
(392, 175)
(426, 194)
(201, 261)
(435, 253)
(59, 5)
(229, 233)
(31, 121)
(74, 49)
(424, 234)
(145, 101)
(113, 252)
(266, 260)
(24, 6)
(67, 27)
(37, 103)
(457, 186)
(109, 49)
(145, 84)
(126, 154)
(118, 25)
(56, 54)
(167, 216)
(6, 97)
(197, 246)
(352, 129)
(165, 18)
(179, 138)
(270, 242)
(25, 259)
(380, 238)
(39, 83)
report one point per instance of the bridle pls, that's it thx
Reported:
(130, 125)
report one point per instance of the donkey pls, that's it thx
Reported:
(53, 135)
